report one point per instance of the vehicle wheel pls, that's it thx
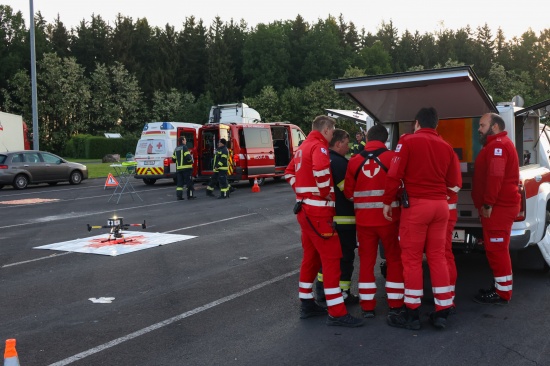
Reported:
(278, 178)
(52, 183)
(76, 177)
(149, 181)
(20, 182)
(261, 181)
(1, 186)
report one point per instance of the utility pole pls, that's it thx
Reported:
(35, 134)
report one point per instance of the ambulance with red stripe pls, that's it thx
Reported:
(257, 150)
(155, 148)
(460, 100)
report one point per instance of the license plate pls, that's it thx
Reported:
(149, 162)
(459, 236)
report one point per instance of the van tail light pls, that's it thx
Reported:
(522, 211)
(167, 162)
(236, 159)
(3, 167)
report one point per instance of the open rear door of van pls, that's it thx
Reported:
(454, 92)
(260, 153)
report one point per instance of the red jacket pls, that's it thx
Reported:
(496, 173)
(309, 175)
(426, 163)
(368, 189)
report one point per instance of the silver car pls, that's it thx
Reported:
(21, 168)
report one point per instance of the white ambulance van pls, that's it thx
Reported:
(155, 148)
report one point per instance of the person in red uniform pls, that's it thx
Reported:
(496, 195)
(344, 218)
(426, 165)
(310, 177)
(364, 184)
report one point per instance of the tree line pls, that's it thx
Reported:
(98, 77)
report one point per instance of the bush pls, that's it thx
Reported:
(96, 147)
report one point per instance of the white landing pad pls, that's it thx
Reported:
(134, 241)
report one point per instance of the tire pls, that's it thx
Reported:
(278, 178)
(21, 181)
(1, 186)
(261, 181)
(76, 177)
(149, 181)
(52, 183)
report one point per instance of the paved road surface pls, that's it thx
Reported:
(226, 297)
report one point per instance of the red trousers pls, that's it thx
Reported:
(451, 265)
(422, 230)
(496, 239)
(369, 237)
(321, 247)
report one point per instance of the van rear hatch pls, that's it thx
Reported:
(454, 92)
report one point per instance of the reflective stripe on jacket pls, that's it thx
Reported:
(182, 157)
(309, 175)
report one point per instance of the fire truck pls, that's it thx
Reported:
(257, 150)
(460, 100)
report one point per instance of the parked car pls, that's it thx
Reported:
(21, 168)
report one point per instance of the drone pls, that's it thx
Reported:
(116, 224)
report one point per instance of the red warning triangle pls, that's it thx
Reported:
(111, 181)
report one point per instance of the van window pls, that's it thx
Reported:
(190, 139)
(257, 137)
(151, 147)
(297, 137)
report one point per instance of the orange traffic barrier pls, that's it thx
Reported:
(10, 354)
(255, 187)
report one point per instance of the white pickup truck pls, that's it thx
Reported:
(460, 100)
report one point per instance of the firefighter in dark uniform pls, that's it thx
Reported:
(220, 168)
(359, 144)
(344, 219)
(184, 169)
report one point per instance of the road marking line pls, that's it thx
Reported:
(74, 215)
(169, 321)
(212, 222)
(34, 260)
(166, 232)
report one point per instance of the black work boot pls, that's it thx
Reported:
(345, 321)
(439, 318)
(319, 292)
(408, 319)
(210, 193)
(310, 308)
(350, 298)
(491, 298)
(191, 195)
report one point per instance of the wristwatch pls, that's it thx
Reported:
(487, 207)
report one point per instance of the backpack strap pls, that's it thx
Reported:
(374, 156)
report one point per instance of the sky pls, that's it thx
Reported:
(423, 15)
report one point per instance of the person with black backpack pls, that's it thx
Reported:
(364, 184)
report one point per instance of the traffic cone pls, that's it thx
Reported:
(10, 354)
(255, 187)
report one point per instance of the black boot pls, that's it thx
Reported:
(209, 193)
(191, 195)
(310, 308)
(439, 318)
(408, 319)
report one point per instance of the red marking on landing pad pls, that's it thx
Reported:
(100, 243)
(27, 201)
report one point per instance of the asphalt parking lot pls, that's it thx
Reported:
(228, 295)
